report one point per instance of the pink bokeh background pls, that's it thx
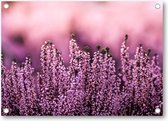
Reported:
(26, 25)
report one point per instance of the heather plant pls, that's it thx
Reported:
(6, 91)
(92, 85)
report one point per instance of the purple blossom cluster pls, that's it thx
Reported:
(90, 86)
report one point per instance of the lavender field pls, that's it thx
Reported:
(76, 58)
(92, 84)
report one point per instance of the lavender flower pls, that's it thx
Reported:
(88, 86)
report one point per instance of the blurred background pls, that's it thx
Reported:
(26, 25)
